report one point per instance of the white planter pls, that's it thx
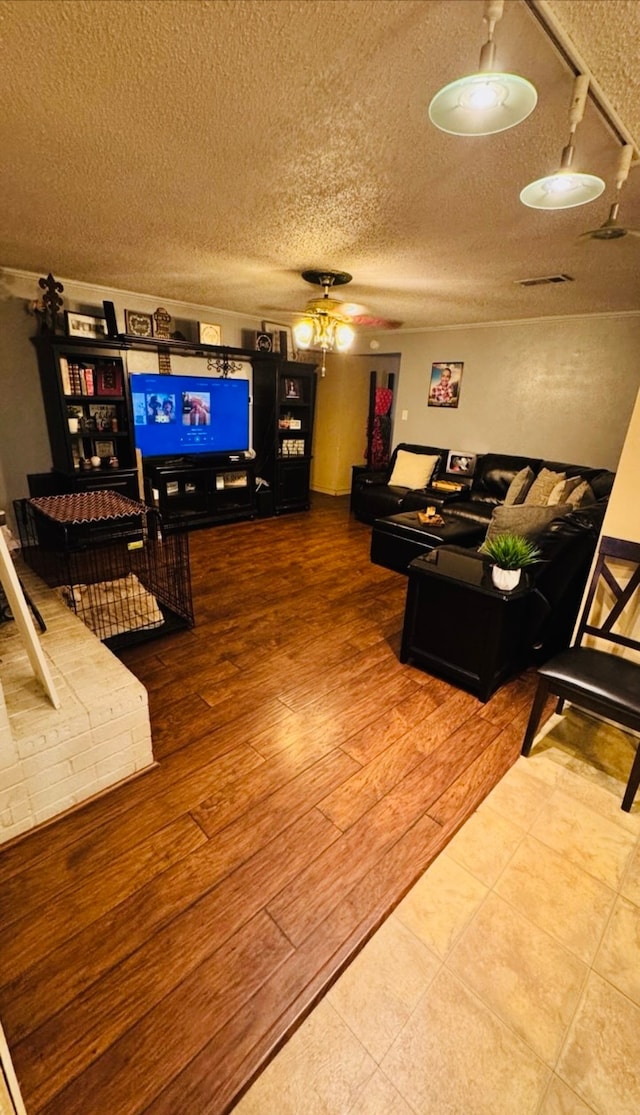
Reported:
(505, 579)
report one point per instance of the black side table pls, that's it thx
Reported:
(459, 626)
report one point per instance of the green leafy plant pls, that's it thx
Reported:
(511, 551)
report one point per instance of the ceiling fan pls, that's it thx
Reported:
(610, 229)
(326, 322)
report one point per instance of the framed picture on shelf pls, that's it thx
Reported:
(104, 448)
(84, 325)
(108, 379)
(292, 389)
(104, 416)
(282, 338)
(460, 462)
(209, 334)
(137, 324)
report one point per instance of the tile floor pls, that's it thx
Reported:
(507, 982)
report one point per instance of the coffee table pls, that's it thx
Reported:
(396, 540)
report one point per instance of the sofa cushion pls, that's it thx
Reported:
(519, 486)
(412, 470)
(524, 519)
(582, 495)
(543, 486)
(562, 490)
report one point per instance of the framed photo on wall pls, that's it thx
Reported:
(444, 386)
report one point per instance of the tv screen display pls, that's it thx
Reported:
(178, 415)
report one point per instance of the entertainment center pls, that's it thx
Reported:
(228, 422)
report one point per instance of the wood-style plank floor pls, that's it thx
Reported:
(159, 943)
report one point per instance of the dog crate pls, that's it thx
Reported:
(111, 561)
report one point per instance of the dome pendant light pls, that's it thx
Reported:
(487, 102)
(566, 188)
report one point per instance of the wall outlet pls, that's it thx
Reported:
(404, 415)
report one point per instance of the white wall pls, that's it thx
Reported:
(561, 389)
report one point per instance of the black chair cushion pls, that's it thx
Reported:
(601, 677)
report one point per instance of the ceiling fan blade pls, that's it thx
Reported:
(368, 320)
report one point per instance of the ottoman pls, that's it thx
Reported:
(398, 539)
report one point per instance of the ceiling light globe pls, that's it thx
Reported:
(344, 336)
(564, 190)
(303, 333)
(482, 104)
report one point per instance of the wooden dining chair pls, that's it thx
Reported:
(598, 680)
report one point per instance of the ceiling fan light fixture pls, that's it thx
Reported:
(486, 102)
(323, 324)
(303, 333)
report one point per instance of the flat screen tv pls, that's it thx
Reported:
(175, 416)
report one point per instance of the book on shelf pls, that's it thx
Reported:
(64, 376)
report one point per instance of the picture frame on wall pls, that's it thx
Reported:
(138, 324)
(209, 334)
(85, 325)
(444, 385)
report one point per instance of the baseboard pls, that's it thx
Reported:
(331, 491)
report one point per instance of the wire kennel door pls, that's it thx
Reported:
(111, 561)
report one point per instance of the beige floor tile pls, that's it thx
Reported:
(560, 1100)
(320, 1071)
(441, 903)
(485, 844)
(601, 1059)
(530, 980)
(630, 886)
(587, 839)
(455, 1056)
(557, 896)
(601, 793)
(618, 958)
(381, 987)
(379, 1097)
(520, 795)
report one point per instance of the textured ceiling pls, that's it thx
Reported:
(210, 151)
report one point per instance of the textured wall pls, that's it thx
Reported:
(561, 389)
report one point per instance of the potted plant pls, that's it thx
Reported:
(510, 553)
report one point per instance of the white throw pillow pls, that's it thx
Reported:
(412, 470)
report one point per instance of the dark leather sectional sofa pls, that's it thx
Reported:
(567, 543)
(374, 498)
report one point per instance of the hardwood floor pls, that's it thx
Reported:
(158, 944)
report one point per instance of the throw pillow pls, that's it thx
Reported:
(543, 486)
(562, 490)
(582, 495)
(519, 486)
(526, 520)
(412, 470)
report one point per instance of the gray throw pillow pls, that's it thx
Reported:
(582, 495)
(519, 486)
(563, 489)
(543, 486)
(524, 519)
